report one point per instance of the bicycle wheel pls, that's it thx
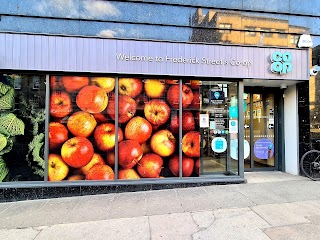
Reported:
(310, 164)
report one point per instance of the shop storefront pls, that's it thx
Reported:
(107, 112)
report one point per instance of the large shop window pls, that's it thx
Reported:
(98, 132)
(22, 127)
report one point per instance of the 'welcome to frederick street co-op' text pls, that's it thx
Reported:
(182, 60)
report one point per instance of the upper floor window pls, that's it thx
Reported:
(225, 27)
(294, 39)
(266, 32)
(281, 33)
(250, 31)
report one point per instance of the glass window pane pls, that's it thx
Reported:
(148, 115)
(22, 130)
(272, 6)
(206, 3)
(88, 28)
(305, 7)
(81, 133)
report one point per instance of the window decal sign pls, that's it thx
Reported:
(219, 144)
(234, 149)
(233, 126)
(263, 148)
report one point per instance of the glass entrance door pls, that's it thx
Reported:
(260, 120)
(218, 121)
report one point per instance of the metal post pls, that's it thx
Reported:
(240, 127)
(180, 128)
(116, 102)
(46, 124)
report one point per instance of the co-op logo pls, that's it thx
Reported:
(281, 62)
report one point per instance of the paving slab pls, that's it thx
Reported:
(20, 214)
(172, 226)
(5, 206)
(260, 195)
(113, 229)
(163, 202)
(268, 176)
(91, 208)
(296, 232)
(125, 205)
(18, 234)
(196, 199)
(240, 223)
(282, 214)
(228, 196)
(314, 219)
(292, 191)
(203, 219)
(238, 213)
(56, 211)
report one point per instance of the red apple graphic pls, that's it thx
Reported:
(100, 172)
(195, 104)
(157, 112)
(81, 124)
(77, 152)
(127, 108)
(172, 81)
(57, 168)
(145, 146)
(141, 100)
(150, 166)
(111, 158)
(130, 153)
(138, 129)
(187, 165)
(191, 144)
(128, 174)
(95, 160)
(197, 167)
(74, 83)
(58, 134)
(92, 99)
(163, 143)
(105, 136)
(54, 83)
(60, 104)
(76, 177)
(173, 96)
(154, 88)
(100, 117)
(131, 87)
(188, 123)
(106, 83)
(195, 84)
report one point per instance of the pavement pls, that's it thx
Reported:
(271, 205)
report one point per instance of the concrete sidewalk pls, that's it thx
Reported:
(272, 205)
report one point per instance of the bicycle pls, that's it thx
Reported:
(310, 164)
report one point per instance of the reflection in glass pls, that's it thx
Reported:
(22, 106)
(248, 28)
